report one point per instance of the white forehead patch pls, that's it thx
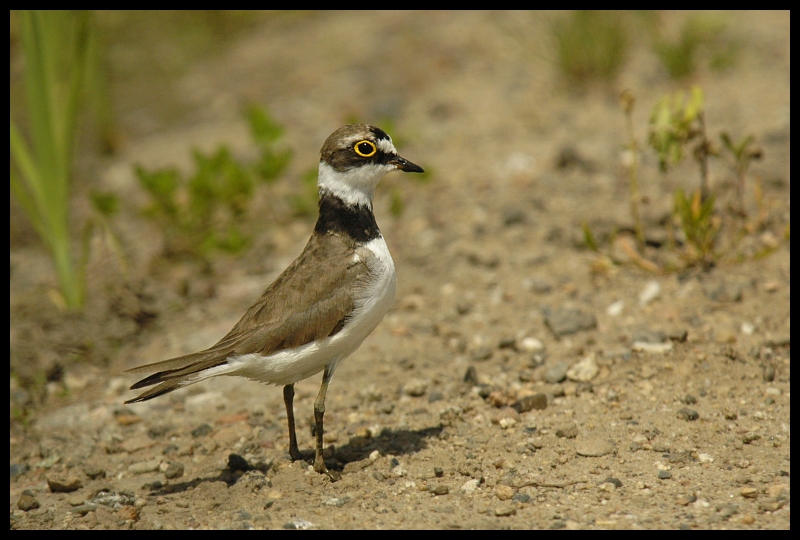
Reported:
(386, 146)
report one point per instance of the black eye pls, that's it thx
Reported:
(365, 148)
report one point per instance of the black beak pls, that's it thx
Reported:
(405, 165)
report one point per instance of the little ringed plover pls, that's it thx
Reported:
(323, 306)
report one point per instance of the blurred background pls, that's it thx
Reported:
(592, 323)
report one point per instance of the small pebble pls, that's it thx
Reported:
(750, 436)
(507, 343)
(748, 492)
(613, 480)
(606, 486)
(770, 506)
(777, 490)
(439, 489)
(27, 501)
(615, 309)
(649, 293)
(688, 414)
(727, 510)
(298, 524)
(415, 387)
(202, 430)
(556, 373)
(63, 484)
(664, 475)
(435, 396)
(76, 499)
(379, 476)
(507, 422)
(399, 471)
(128, 513)
(504, 510)
(584, 370)
(94, 472)
(529, 403)
(470, 485)
(503, 492)
(521, 497)
(768, 374)
(651, 348)
(175, 470)
(530, 345)
(84, 509)
(565, 321)
(567, 432)
(481, 354)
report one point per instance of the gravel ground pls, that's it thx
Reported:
(518, 382)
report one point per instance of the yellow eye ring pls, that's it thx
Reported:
(365, 148)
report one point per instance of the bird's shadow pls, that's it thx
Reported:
(390, 442)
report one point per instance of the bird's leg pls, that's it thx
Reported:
(288, 399)
(319, 412)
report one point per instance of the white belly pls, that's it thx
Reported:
(291, 365)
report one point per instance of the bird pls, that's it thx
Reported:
(322, 307)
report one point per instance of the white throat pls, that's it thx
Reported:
(355, 186)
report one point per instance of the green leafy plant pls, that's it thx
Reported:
(203, 212)
(741, 154)
(56, 47)
(590, 45)
(588, 238)
(676, 128)
(304, 203)
(680, 57)
(674, 123)
(699, 224)
(266, 133)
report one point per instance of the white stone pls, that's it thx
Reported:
(649, 293)
(615, 309)
(470, 486)
(651, 348)
(530, 344)
(583, 371)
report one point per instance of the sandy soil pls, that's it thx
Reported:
(509, 386)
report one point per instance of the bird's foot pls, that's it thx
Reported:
(297, 455)
(319, 466)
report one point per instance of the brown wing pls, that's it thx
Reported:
(310, 300)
